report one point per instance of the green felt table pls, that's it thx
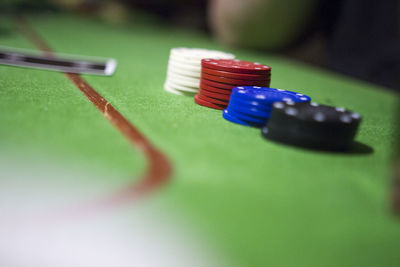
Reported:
(261, 203)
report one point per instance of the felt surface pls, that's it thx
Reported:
(263, 204)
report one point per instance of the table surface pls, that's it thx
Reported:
(261, 203)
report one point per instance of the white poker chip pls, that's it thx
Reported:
(193, 56)
(183, 65)
(182, 71)
(184, 68)
(199, 53)
(192, 80)
(180, 87)
(171, 90)
(184, 82)
(186, 61)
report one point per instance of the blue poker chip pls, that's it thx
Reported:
(248, 110)
(227, 116)
(267, 95)
(245, 117)
(249, 104)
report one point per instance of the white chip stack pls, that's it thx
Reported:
(184, 68)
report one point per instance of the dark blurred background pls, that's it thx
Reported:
(359, 38)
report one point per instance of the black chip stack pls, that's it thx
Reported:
(312, 125)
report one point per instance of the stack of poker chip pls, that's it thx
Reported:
(184, 65)
(252, 105)
(312, 125)
(220, 76)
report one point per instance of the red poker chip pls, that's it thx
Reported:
(214, 95)
(207, 104)
(234, 82)
(217, 84)
(215, 89)
(240, 76)
(234, 65)
(213, 100)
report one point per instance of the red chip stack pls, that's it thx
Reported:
(220, 76)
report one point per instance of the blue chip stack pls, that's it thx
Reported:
(252, 105)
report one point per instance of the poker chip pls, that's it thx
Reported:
(217, 84)
(234, 82)
(179, 76)
(218, 81)
(182, 60)
(227, 116)
(263, 113)
(183, 80)
(182, 88)
(239, 76)
(249, 104)
(184, 68)
(212, 100)
(215, 89)
(184, 65)
(170, 89)
(198, 54)
(236, 66)
(253, 104)
(312, 125)
(268, 95)
(246, 117)
(183, 71)
(214, 95)
(206, 103)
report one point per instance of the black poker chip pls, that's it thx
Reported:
(312, 125)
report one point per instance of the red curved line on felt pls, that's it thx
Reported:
(159, 168)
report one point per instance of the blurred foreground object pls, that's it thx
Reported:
(65, 63)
